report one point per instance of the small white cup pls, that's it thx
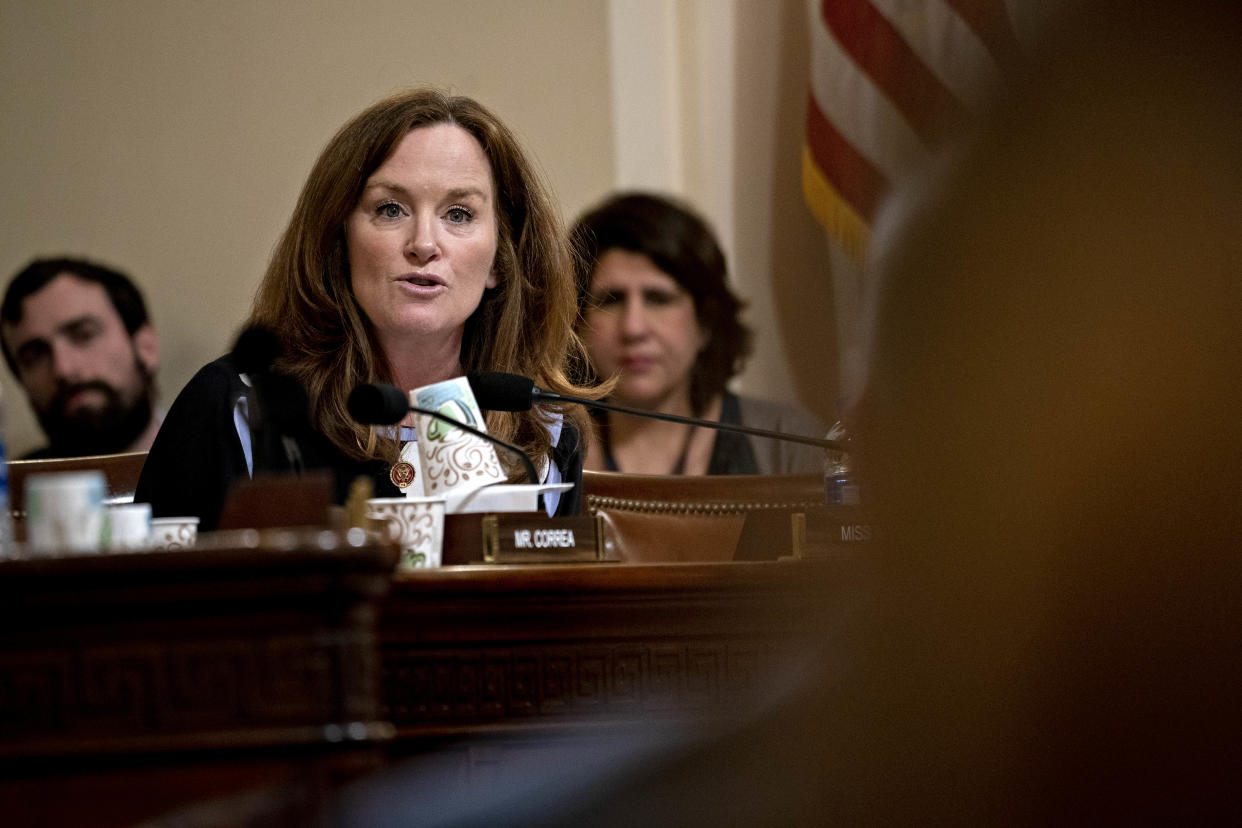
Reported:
(416, 524)
(127, 526)
(64, 512)
(173, 532)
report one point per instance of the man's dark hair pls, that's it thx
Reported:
(125, 296)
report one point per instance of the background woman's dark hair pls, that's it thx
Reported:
(681, 244)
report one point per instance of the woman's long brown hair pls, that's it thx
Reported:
(525, 325)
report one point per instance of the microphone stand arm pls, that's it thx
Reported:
(551, 396)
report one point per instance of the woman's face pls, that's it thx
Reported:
(641, 326)
(421, 240)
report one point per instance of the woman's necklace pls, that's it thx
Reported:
(680, 468)
(610, 462)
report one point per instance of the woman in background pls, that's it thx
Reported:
(658, 316)
(423, 247)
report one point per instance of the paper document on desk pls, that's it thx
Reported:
(501, 497)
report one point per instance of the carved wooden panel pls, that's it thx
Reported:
(234, 686)
(206, 648)
(621, 681)
(485, 650)
(238, 683)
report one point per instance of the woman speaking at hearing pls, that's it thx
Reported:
(423, 247)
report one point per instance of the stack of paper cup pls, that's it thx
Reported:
(127, 526)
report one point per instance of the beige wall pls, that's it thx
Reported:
(170, 139)
(709, 102)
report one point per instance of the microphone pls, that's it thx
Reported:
(278, 408)
(256, 350)
(383, 404)
(499, 391)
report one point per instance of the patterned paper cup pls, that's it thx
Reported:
(417, 526)
(453, 459)
(173, 532)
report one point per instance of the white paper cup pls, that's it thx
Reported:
(453, 459)
(173, 532)
(416, 524)
(64, 512)
(127, 526)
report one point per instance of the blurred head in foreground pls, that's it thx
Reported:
(1053, 435)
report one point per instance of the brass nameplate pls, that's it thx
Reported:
(831, 530)
(523, 538)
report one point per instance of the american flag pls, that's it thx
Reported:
(889, 78)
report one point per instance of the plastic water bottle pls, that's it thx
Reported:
(840, 487)
(847, 522)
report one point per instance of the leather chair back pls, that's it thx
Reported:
(666, 518)
(120, 475)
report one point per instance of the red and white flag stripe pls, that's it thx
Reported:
(888, 79)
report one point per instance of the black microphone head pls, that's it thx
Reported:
(256, 350)
(498, 391)
(286, 402)
(377, 404)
